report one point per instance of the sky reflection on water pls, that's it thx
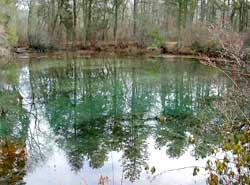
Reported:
(87, 118)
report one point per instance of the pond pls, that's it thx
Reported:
(78, 121)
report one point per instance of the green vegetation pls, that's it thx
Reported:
(51, 24)
(8, 22)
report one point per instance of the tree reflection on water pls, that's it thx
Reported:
(103, 105)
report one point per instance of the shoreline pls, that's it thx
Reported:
(131, 51)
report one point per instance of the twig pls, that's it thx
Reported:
(175, 169)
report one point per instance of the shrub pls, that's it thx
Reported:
(11, 34)
(215, 41)
(41, 42)
(8, 22)
(211, 47)
(247, 54)
(154, 38)
(232, 46)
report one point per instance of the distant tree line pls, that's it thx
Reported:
(47, 22)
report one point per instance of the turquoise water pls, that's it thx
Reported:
(88, 121)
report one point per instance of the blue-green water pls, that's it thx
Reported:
(89, 121)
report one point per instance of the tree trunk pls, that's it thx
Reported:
(29, 34)
(223, 14)
(74, 20)
(89, 20)
(180, 20)
(116, 6)
(202, 13)
(135, 18)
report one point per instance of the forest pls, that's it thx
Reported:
(176, 26)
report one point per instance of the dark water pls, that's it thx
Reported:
(83, 121)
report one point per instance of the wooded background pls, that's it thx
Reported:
(50, 22)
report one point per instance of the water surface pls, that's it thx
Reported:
(88, 121)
